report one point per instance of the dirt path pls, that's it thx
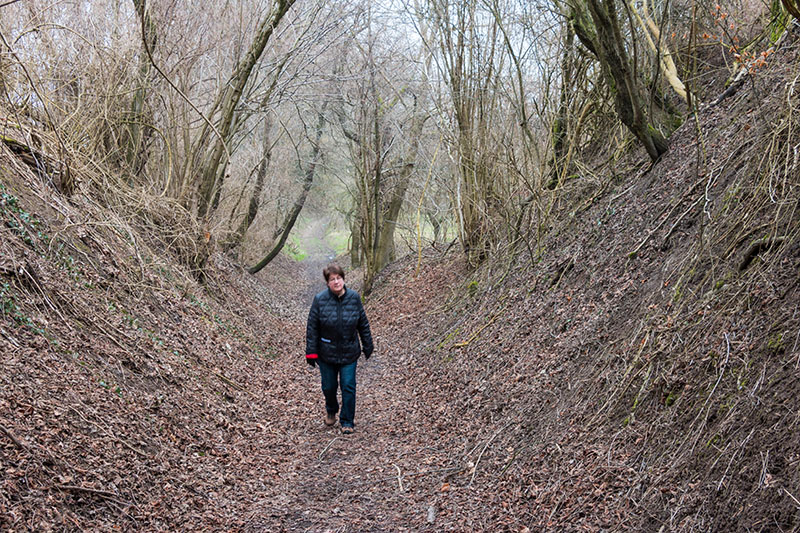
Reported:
(331, 482)
(387, 476)
(319, 254)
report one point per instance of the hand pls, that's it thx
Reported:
(367, 355)
(311, 359)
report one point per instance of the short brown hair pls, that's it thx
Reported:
(333, 268)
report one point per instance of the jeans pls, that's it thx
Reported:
(332, 375)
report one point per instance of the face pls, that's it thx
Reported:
(336, 283)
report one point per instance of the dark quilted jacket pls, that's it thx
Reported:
(335, 325)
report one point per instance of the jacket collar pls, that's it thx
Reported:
(344, 293)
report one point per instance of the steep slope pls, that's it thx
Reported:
(641, 373)
(131, 396)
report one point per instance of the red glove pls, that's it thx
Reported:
(311, 359)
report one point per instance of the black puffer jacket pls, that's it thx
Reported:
(335, 324)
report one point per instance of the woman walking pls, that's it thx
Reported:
(336, 322)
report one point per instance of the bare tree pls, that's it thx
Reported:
(214, 158)
(137, 123)
(471, 55)
(381, 117)
(259, 172)
(294, 212)
(597, 25)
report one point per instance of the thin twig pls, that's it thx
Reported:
(110, 434)
(733, 457)
(762, 479)
(475, 335)
(722, 368)
(675, 225)
(35, 283)
(175, 87)
(475, 469)
(713, 390)
(650, 234)
(399, 478)
(43, 102)
(326, 448)
(12, 340)
(794, 349)
(110, 496)
(412, 474)
(78, 488)
(229, 381)
(796, 502)
(13, 438)
(712, 177)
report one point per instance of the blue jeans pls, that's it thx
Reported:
(332, 375)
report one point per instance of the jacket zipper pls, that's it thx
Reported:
(341, 325)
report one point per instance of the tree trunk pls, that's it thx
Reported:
(385, 248)
(560, 125)
(374, 227)
(385, 251)
(291, 216)
(355, 242)
(468, 52)
(258, 190)
(436, 224)
(135, 125)
(603, 37)
(660, 49)
(212, 167)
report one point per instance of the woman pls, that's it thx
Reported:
(336, 321)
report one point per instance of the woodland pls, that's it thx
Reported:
(573, 223)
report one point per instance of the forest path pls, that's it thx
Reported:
(318, 254)
(387, 476)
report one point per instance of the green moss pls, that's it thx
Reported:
(677, 295)
(448, 338)
(741, 382)
(472, 288)
(775, 344)
(294, 251)
(780, 21)
(670, 399)
(723, 281)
